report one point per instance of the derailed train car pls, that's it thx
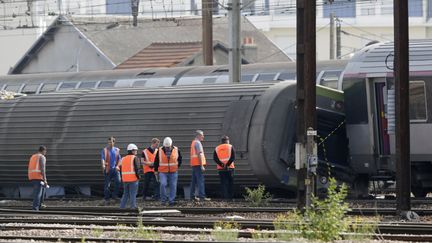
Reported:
(259, 118)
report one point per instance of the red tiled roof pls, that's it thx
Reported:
(162, 54)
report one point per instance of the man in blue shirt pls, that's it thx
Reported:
(110, 157)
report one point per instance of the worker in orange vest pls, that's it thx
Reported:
(198, 163)
(129, 167)
(37, 176)
(167, 162)
(224, 156)
(151, 183)
(110, 158)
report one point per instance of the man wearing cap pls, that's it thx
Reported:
(37, 176)
(224, 156)
(167, 162)
(151, 185)
(198, 163)
(110, 157)
(129, 167)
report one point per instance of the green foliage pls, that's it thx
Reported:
(361, 228)
(260, 235)
(225, 231)
(288, 225)
(140, 232)
(325, 220)
(257, 197)
(97, 232)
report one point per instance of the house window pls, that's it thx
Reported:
(415, 8)
(341, 8)
(368, 8)
(417, 101)
(118, 7)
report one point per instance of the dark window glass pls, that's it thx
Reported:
(417, 100)
(67, 86)
(30, 88)
(13, 87)
(106, 84)
(139, 83)
(341, 8)
(266, 77)
(287, 76)
(87, 85)
(49, 88)
(247, 77)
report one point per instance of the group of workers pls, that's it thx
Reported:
(158, 165)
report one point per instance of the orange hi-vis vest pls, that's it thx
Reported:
(223, 152)
(168, 165)
(108, 157)
(194, 159)
(34, 170)
(149, 157)
(128, 169)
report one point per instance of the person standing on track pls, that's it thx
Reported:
(110, 158)
(167, 162)
(37, 176)
(130, 174)
(224, 156)
(198, 163)
(151, 184)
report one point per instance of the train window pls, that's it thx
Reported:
(209, 80)
(330, 79)
(67, 86)
(87, 85)
(49, 88)
(13, 87)
(30, 88)
(139, 83)
(417, 100)
(247, 78)
(106, 84)
(266, 77)
(287, 76)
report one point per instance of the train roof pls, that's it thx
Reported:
(377, 59)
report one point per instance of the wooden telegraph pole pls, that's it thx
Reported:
(306, 102)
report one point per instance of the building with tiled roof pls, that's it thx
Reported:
(103, 43)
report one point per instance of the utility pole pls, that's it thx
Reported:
(403, 164)
(338, 39)
(332, 36)
(135, 6)
(207, 34)
(234, 39)
(306, 158)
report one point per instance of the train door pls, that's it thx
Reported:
(382, 139)
(379, 123)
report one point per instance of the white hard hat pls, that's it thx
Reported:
(131, 147)
(167, 142)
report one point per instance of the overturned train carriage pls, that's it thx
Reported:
(259, 118)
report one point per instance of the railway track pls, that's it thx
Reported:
(114, 211)
(387, 232)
